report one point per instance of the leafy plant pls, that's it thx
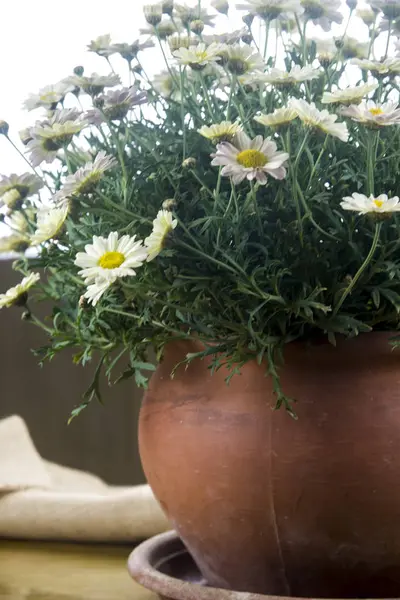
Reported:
(266, 218)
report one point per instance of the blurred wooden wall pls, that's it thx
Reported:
(102, 439)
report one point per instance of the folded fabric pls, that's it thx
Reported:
(42, 500)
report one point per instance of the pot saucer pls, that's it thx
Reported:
(163, 565)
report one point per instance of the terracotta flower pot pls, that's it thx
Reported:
(271, 505)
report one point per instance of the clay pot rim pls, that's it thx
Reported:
(143, 565)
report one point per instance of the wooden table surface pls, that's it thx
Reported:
(49, 571)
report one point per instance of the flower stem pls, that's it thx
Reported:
(181, 74)
(267, 27)
(388, 38)
(29, 164)
(372, 145)
(206, 96)
(361, 270)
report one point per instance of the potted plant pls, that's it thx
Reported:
(237, 213)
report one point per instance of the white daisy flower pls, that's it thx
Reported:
(374, 115)
(370, 204)
(353, 48)
(198, 57)
(186, 14)
(221, 6)
(13, 243)
(163, 30)
(102, 46)
(115, 104)
(111, 258)
(271, 9)
(295, 76)
(163, 225)
(18, 295)
(15, 188)
(389, 66)
(351, 95)
(251, 159)
(232, 37)
(50, 135)
(220, 132)
(319, 119)
(48, 96)
(19, 222)
(326, 50)
(86, 177)
(366, 14)
(242, 58)
(153, 13)
(175, 42)
(166, 84)
(390, 8)
(94, 84)
(49, 223)
(323, 13)
(280, 117)
(95, 290)
(130, 51)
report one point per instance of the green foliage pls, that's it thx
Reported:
(249, 267)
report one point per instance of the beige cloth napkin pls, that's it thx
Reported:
(42, 500)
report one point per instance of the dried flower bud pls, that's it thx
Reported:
(222, 6)
(189, 163)
(167, 7)
(82, 302)
(169, 204)
(4, 127)
(79, 70)
(153, 14)
(352, 4)
(197, 26)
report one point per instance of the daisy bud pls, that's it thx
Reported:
(79, 71)
(352, 4)
(197, 26)
(169, 204)
(153, 14)
(222, 6)
(137, 69)
(26, 315)
(167, 6)
(189, 163)
(4, 127)
(248, 19)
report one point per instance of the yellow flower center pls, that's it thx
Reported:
(201, 55)
(378, 203)
(251, 159)
(111, 260)
(376, 111)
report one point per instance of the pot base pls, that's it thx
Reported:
(164, 566)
